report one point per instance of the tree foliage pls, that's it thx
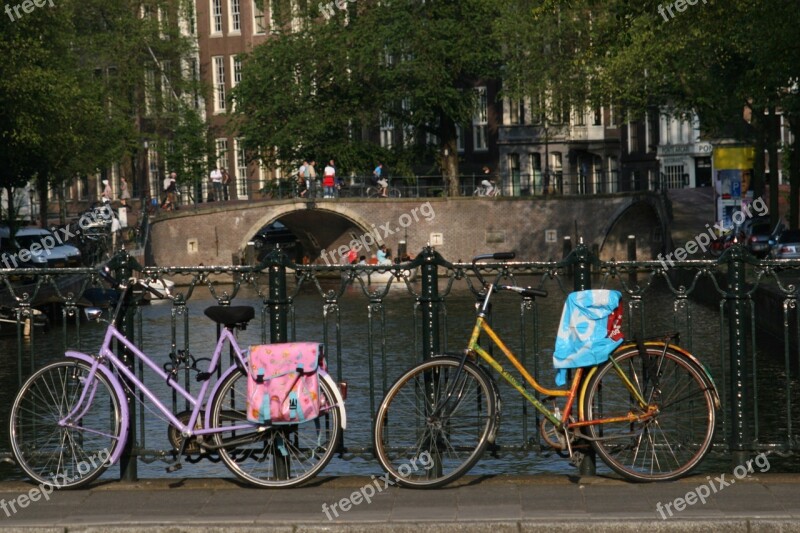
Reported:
(727, 61)
(73, 85)
(319, 91)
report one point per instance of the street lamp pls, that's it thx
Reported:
(546, 181)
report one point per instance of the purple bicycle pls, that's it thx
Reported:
(69, 422)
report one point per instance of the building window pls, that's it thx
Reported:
(480, 121)
(516, 111)
(242, 190)
(236, 69)
(611, 118)
(219, 83)
(235, 16)
(580, 117)
(216, 17)
(222, 153)
(387, 131)
(556, 172)
(408, 128)
(633, 137)
(597, 116)
(651, 134)
(259, 23)
(152, 173)
(460, 138)
(536, 173)
(149, 90)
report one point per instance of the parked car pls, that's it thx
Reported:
(44, 249)
(787, 245)
(758, 233)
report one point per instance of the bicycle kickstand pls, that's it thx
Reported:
(177, 465)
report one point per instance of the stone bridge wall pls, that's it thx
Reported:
(217, 235)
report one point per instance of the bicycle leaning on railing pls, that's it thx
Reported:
(648, 411)
(69, 421)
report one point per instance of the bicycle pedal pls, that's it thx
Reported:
(174, 468)
(576, 459)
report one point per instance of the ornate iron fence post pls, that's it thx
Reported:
(741, 430)
(429, 301)
(278, 303)
(582, 281)
(122, 263)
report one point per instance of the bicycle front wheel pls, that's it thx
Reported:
(661, 447)
(66, 455)
(273, 456)
(434, 423)
(394, 192)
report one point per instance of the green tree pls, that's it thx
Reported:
(321, 91)
(84, 82)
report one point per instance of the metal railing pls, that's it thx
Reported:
(359, 325)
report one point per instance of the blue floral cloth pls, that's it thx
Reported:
(583, 335)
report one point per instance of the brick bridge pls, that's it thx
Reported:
(217, 234)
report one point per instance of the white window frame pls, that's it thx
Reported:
(218, 73)
(215, 17)
(149, 90)
(480, 121)
(221, 152)
(460, 139)
(408, 129)
(152, 173)
(236, 70)
(234, 17)
(258, 7)
(240, 181)
(387, 131)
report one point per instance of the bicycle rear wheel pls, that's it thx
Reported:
(64, 456)
(275, 456)
(434, 423)
(663, 447)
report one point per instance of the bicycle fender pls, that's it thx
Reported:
(323, 375)
(337, 393)
(123, 401)
(695, 360)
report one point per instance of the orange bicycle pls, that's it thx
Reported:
(649, 411)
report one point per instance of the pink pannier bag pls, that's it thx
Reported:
(283, 383)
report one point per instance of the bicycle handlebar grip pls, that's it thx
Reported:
(530, 293)
(503, 256)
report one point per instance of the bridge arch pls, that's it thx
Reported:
(642, 217)
(322, 229)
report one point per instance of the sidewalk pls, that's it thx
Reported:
(761, 502)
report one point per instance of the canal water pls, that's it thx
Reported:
(398, 350)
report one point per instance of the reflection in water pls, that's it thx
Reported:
(699, 327)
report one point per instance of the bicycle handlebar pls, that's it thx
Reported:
(528, 292)
(105, 273)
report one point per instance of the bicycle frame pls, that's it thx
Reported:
(106, 354)
(575, 390)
